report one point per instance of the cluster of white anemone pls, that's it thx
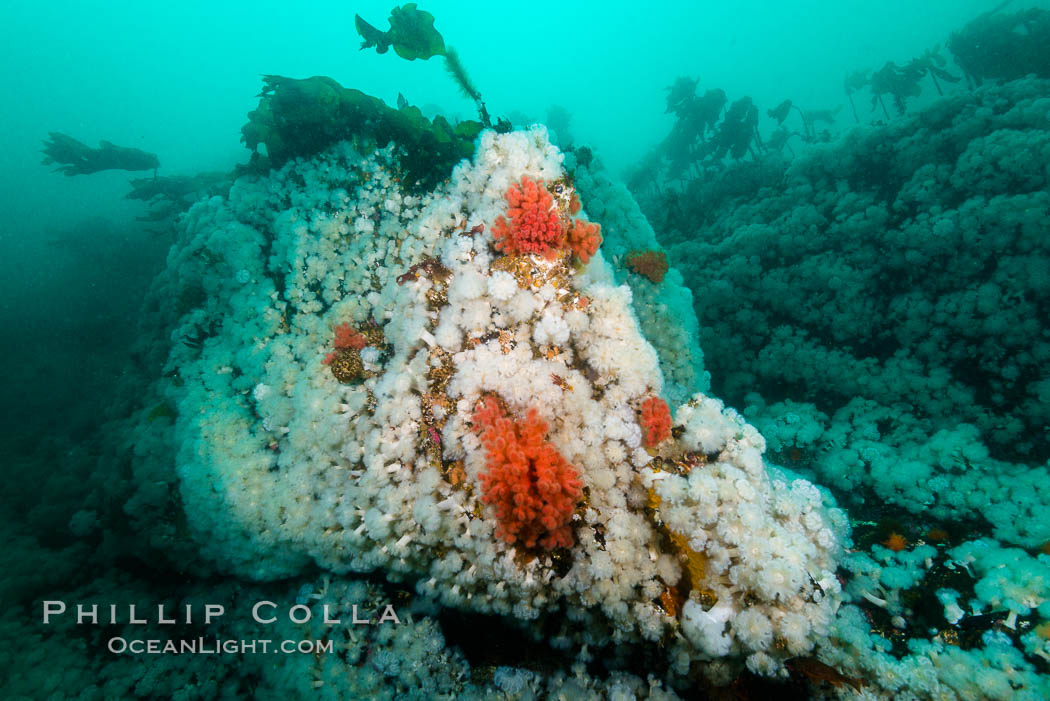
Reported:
(281, 466)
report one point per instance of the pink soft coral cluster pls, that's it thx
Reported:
(533, 488)
(584, 238)
(656, 421)
(533, 224)
(651, 264)
(346, 337)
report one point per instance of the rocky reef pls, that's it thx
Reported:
(491, 450)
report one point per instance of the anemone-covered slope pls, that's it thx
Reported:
(281, 464)
(882, 308)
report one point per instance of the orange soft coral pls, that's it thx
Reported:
(533, 488)
(895, 542)
(346, 336)
(651, 264)
(534, 225)
(584, 239)
(656, 421)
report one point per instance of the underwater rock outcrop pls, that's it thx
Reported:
(894, 283)
(679, 534)
(1004, 45)
(663, 308)
(877, 306)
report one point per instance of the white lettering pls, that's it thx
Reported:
(81, 615)
(255, 612)
(389, 615)
(213, 610)
(302, 607)
(160, 616)
(53, 608)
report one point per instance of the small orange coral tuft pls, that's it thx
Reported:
(937, 535)
(896, 542)
(533, 225)
(656, 421)
(584, 239)
(651, 264)
(486, 414)
(345, 361)
(532, 487)
(346, 336)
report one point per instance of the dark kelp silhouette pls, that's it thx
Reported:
(412, 35)
(77, 158)
(932, 63)
(778, 140)
(854, 82)
(899, 82)
(737, 131)
(688, 144)
(781, 111)
(994, 46)
(303, 117)
(681, 95)
(704, 134)
(710, 137)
